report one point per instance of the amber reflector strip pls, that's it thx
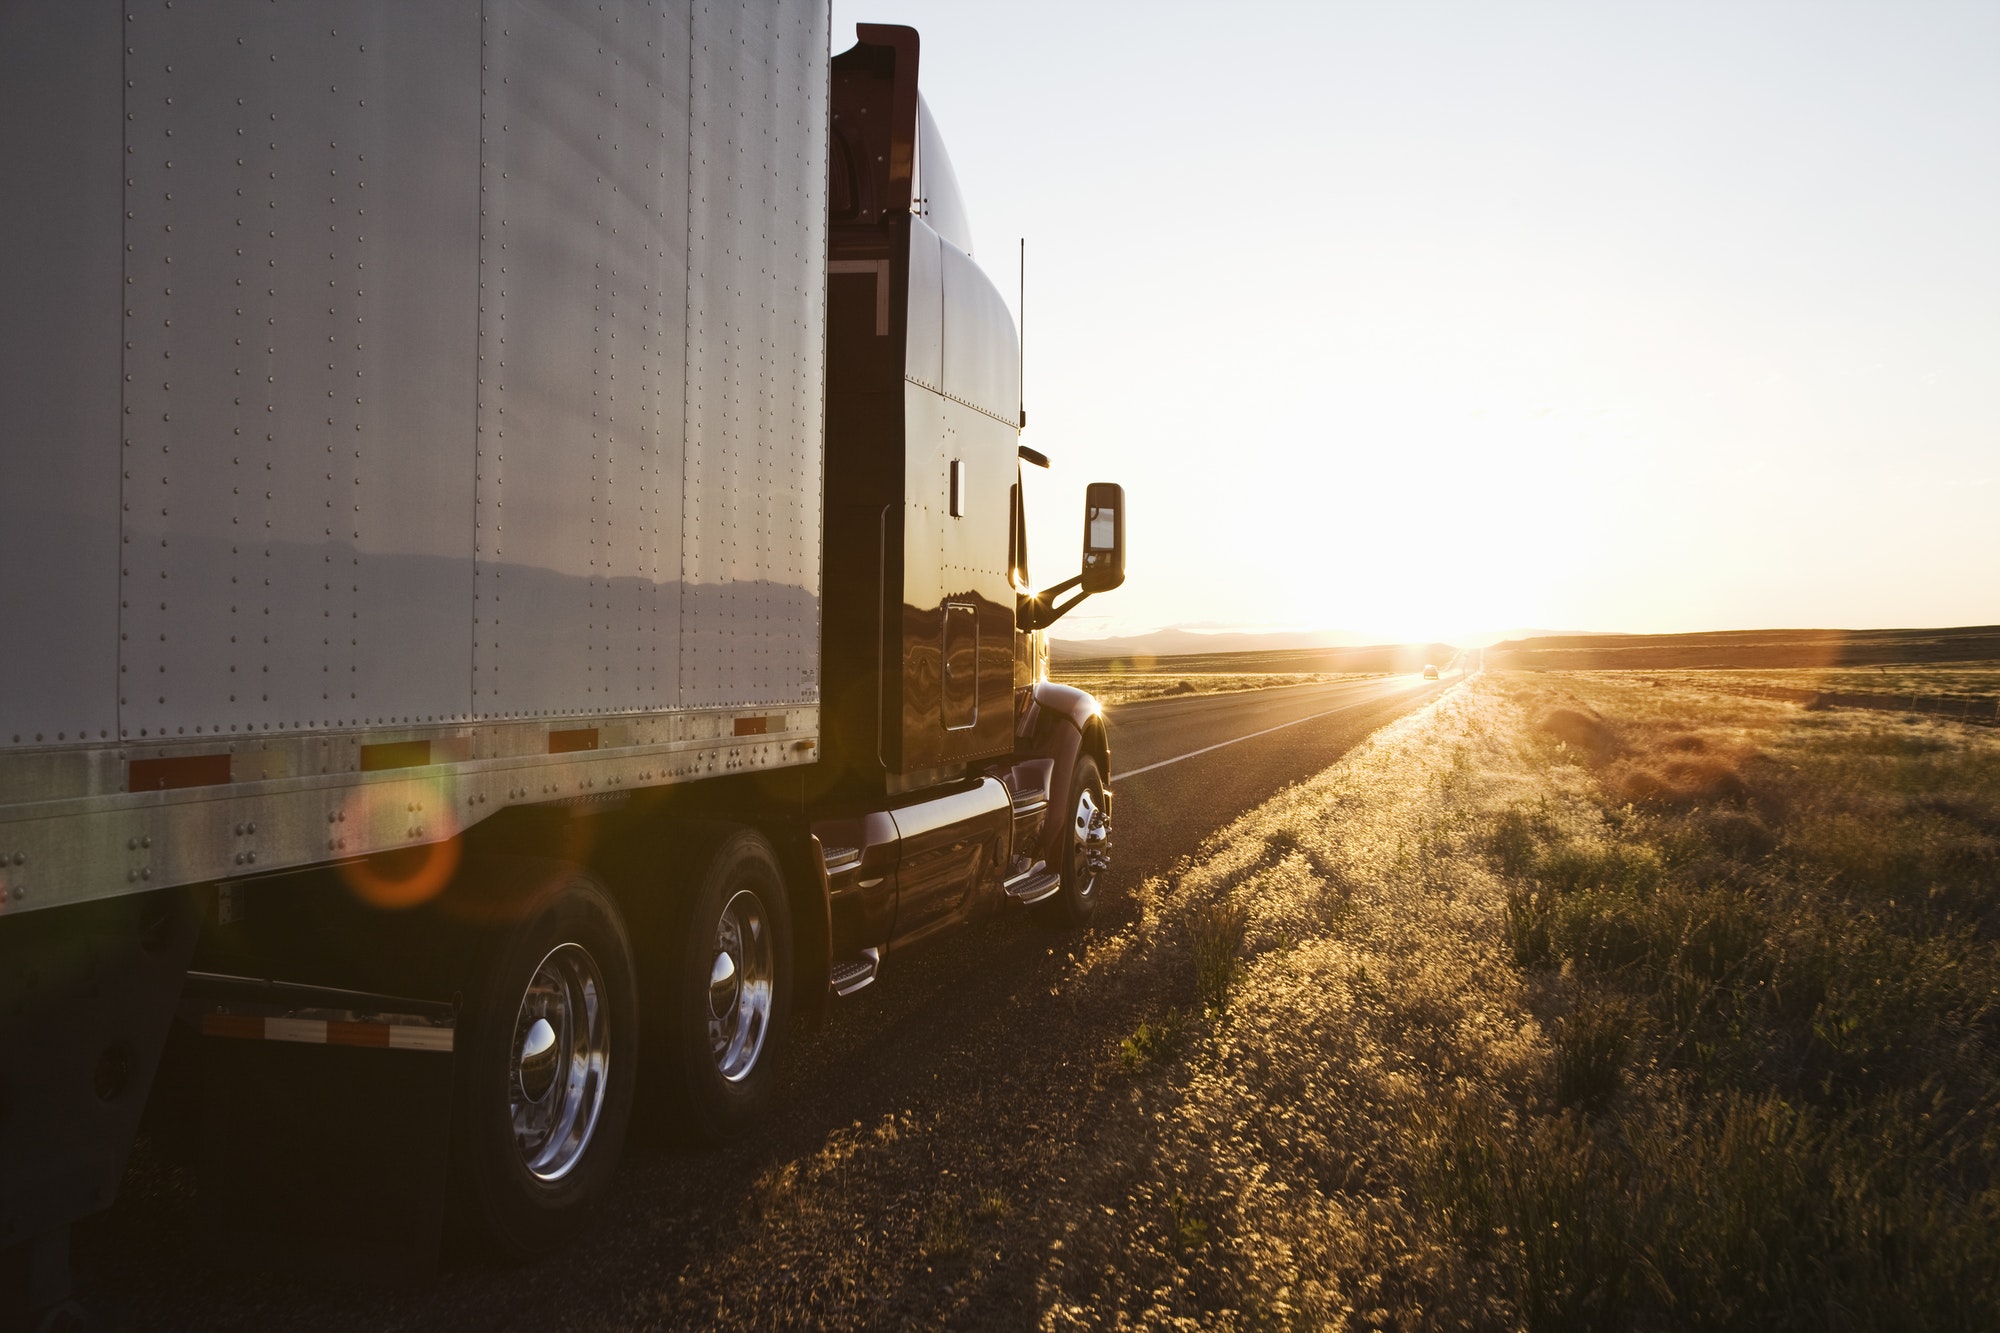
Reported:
(569, 742)
(752, 726)
(395, 754)
(184, 770)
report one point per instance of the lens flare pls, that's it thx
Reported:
(417, 814)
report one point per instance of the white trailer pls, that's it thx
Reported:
(386, 389)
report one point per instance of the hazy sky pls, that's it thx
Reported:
(1425, 319)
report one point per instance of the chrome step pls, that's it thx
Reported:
(852, 974)
(1034, 884)
(840, 860)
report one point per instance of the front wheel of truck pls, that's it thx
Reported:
(1086, 849)
(724, 994)
(547, 1056)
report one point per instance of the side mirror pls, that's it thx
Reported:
(1103, 536)
(1103, 559)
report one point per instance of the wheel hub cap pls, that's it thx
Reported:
(560, 1062)
(1092, 830)
(739, 986)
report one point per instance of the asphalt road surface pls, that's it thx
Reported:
(903, 1183)
(1182, 768)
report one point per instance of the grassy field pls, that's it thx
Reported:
(1130, 685)
(1978, 685)
(1572, 1001)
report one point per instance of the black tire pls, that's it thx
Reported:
(568, 942)
(1076, 902)
(719, 1070)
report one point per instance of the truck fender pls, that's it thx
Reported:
(804, 863)
(1062, 723)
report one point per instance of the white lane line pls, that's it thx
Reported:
(1147, 768)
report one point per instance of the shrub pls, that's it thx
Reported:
(1739, 835)
(1681, 781)
(1527, 928)
(1218, 944)
(1589, 1044)
(946, 1235)
(1582, 729)
(1516, 836)
(1151, 1043)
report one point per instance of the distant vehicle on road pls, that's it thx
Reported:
(1430, 671)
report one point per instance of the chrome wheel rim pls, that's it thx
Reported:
(1090, 832)
(740, 974)
(560, 1062)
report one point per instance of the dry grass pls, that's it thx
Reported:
(1122, 687)
(1573, 1002)
(1980, 682)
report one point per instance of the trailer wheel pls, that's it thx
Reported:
(725, 993)
(1086, 841)
(548, 1054)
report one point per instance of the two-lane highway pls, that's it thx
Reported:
(1184, 767)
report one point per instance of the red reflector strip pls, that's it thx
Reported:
(752, 726)
(322, 1032)
(572, 742)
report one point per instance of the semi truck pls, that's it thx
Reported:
(514, 590)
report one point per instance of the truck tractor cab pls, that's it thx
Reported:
(934, 639)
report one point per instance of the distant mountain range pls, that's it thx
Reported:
(1175, 641)
(1180, 641)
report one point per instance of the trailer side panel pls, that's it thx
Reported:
(756, 442)
(416, 410)
(60, 232)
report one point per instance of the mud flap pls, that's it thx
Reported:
(86, 998)
(325, 1128)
